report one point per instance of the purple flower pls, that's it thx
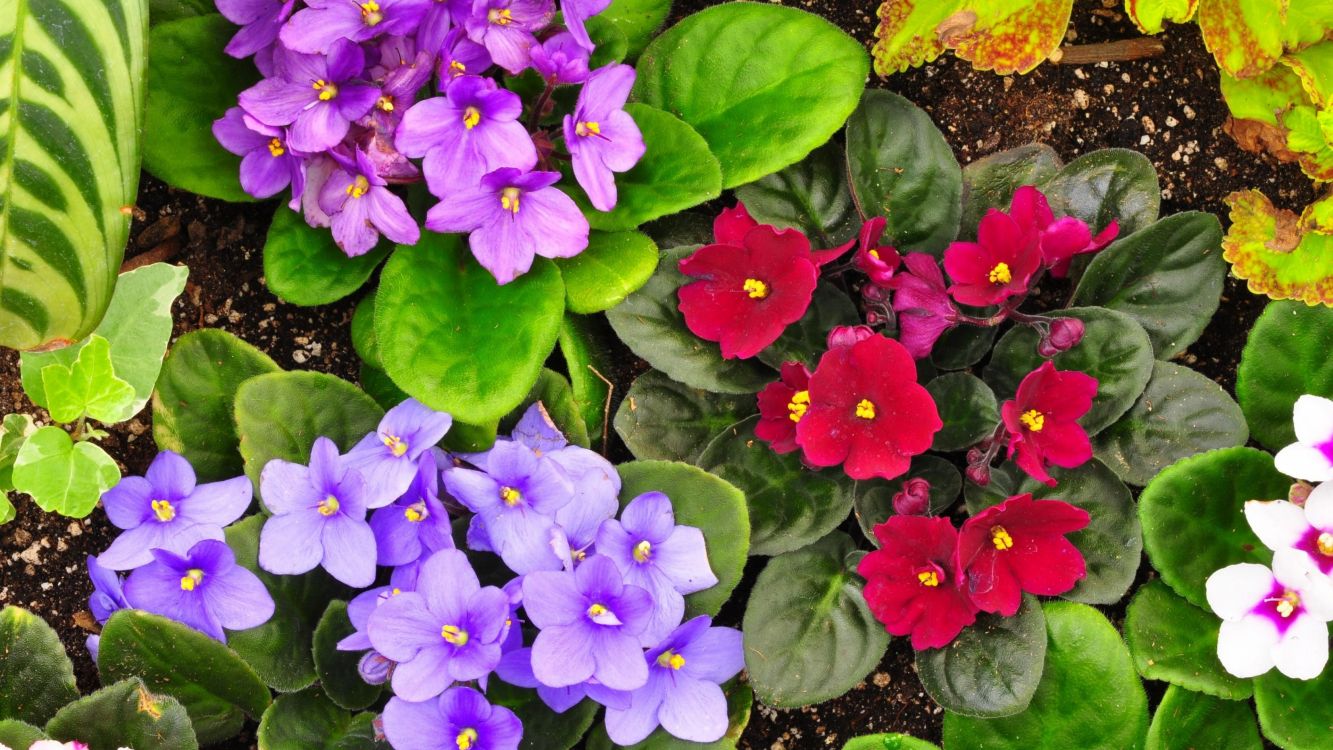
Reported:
(401, 71)
(260, 21)
(359, 610)
(591, 623)
(204, 589)
(506, 28)
(447, 631)
(166, 510)
(360, 207)
(460, 720)
(576, 14)
(416, 523)
(313, 94)
(437, 22)
(387, 458)
(317, 169)
(324, 23)
(561, 59)
(460, 56)
(596, 497)
(318, 519)
(601, 136)
(515, 668)
(512, 217)
(108, 595)
(655, 554)
(515, 499)
(471, 130)
(682, 693)
(267, 165)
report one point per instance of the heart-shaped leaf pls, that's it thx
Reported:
(63, 476)
(1285, 356)
(36, 677)
(125, 715)
(1180, 413)
(337, 670)
(663, 419)
(14, 431)
(902, 169)
(1185, 720)
(1110, 184)
(613, 265)
(874, 497)
(304, 266)
(791, 506)
(637, 19)
(89, 386)
(1175, 641)
(962, 347)
(763, 84)
(992, 668)
(968, 407)
(1193, 516)
(811, 196)
(990, 182)
(806, 340)
(308, 720)
(436, 308)
(1294, 714)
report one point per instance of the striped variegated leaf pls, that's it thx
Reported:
(71, 109)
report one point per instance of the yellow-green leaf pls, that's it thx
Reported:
(1009, 37)
(1265, 247)
(1247, 36)
(1263, 97)
(1314, 66)
(1151, 15)
(1307, 139)
(906, 35)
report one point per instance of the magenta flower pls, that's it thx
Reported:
(911, 582)
(997, 266)
(924, 309)
(1042, 420)
(325, 22)
(204, 588)
(315, 95)
(879, 262)
(782, 404)
(561, 59)
(506, 28)
(361, 207)
(461, 719)
(260, 21)
(601, 137)
(1060, 239)
(512, 217)
(267, 164)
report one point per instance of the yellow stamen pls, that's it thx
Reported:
(874, 254)
(455, 635)
(384, 103)
(586, 129)
(865, 409)
(359, 187)
(191, 580)
(509, 199)
(370, 13)
(642, 550)
(928, 578)
(1325, 544)
(466, 739)
(396, 445)
(275, 148)
(1286, 606)
(1000, 274)
(457, 69)
(471, 116)
(415, 514)
(596, 610)
(326, 90)
(755, 288)
(799, 404)
(328, 506)
(510, 496)
(1000, 538)
(164, 510)
(671, 659)
(1033, 420)
(500, 16)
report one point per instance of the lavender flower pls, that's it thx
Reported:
(601, 137)
(260, 21)
(515, 668)
(401, 70)
(682, 693)
(448, 631)
(591, 623)
(561, 59)
(267, 164)
(108, 595)
(325, 22)
(460, 720)
(204, 589)
(440, 17)
(318, 519)
(359, 610)
(313, 94)
(166, 510)
(577, 13)
(506, 28)
(415, 523)
(360, 207)
(512, 217)
(460, 56)
(596, 497)
(387, 458)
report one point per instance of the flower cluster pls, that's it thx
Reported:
(929, 580)
(354, 91)
(1278, 616)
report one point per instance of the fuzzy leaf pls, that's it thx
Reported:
(614, 265)
(992, 668)
(337, 670)
(1295, 714)
(1175, 641)
(15, 733)
(968, 408)
(1285, 356)
(63, 476)
(304, 266)
(1113, 183)
(1186, 720)
(586, 348)
(663, 419)
(125, 715)
(990, 182)
(811, 196)
(1265, 247)
(309, 721)
(638, 20)
(806, 340)
(36, 677)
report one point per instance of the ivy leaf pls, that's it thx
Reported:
(304, 266)
(1175, 641)
(1186, 720)
(990, 182)
(1110, 184)
(125, 715)
(36, 677)
(874, 498)
(1151, 15)
(1266, 249)
(663, 419)
(63, 476)
(89, 386)
(614, 265)
(811, 196)
(992, 668)
(1285, 356)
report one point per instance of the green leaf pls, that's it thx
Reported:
(764, 85)
(36, 677)
(809, 635)
(652, 326)
(195, 400)
(902, 169)
(1286, 355)
(378, 385)
(990, 182)
(15, 733)
(436, 308)
(1247, 36)
(791, 506)
(280, 414)
(968, 407)
(63, 476)
(585, 343)
(811, 196)
(888, 742)
(1176, 642)
(364, 341)
(962, 346)
(874, 498)
(125, 715)
(14, 430)
(1262, 250)
(678, 230)
(1168, 276)
(992, 668)
(70, 163)
(89, 387)
(544, 729)
(1264, 97)
(209, 679)
(614, 265)
(706, 502)
(1179, 414)
(806, 340)
(1294, 714)
(161, 11)
(638, 19)
(1102, 186)
(676, 172)
(1187, 720)
(191, 83)
(555, 395)
(304, 266)
(740, 701)
(1115, 350)
(663, 419)
(609, 42)
(337, 670)
(1151, 15)
(1193, 516)
(1089, 695)
(309, 721)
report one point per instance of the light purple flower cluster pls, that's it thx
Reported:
(347, 100)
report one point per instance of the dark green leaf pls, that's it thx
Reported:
(15, 733)
(992, 668)
(378, 385)
(678, 230)
(663, 419)
(968, 407)
(1285, 356)
(1110, 184)
(304, 266)
(337, 670)
(1175, 641)
(161, 11)
(1187, 720)
(543, 729)
(125, 715)
(614, 265)
(962, 347)
(990, 182)
(364, 341)
(309, 721)
(36, 677)
(1295, 714)
(811, 196)
(806, 340)
(874, 498)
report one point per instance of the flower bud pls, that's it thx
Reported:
(979, 474)
(874, 293)
(873, 318)
(913, 499)
(1064, 335)
(375, 668)
(1299, 493)
(848, 336)
(975, 456)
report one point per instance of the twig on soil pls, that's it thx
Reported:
(1117, 51)
(165, 251)
(606, 409)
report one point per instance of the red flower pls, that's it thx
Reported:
(876, 261)
(867, 409)
(1042, 417)
(911, 585)
(997, 266)
(924, 309)
(1060, 239)
(781, 405)
(1019, 546)
(731, 226)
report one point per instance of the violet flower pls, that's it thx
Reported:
(323, 23)
(414, 524)
(561, 59)
(506, 28)
(515, 668)
(267, 164)
(655, 554)
(447, 631)
(512, 217)
(591, 623)
(601, 137)
(922, 302)
(437, 23)
(387, 458)
(318, 519)
(108, 595)
(260, 21)
(359, 610)
(165, 509)
(315, 95)
(402, 70)
(461, 719)
(683, 692)
(460, 56)
(576, 14)
(204, 588)
(361, 207)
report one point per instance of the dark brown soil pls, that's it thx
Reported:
(1168, 107)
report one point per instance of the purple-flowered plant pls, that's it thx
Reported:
(461, 719)
(602, 138)
(204, 588)
(387, 459)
